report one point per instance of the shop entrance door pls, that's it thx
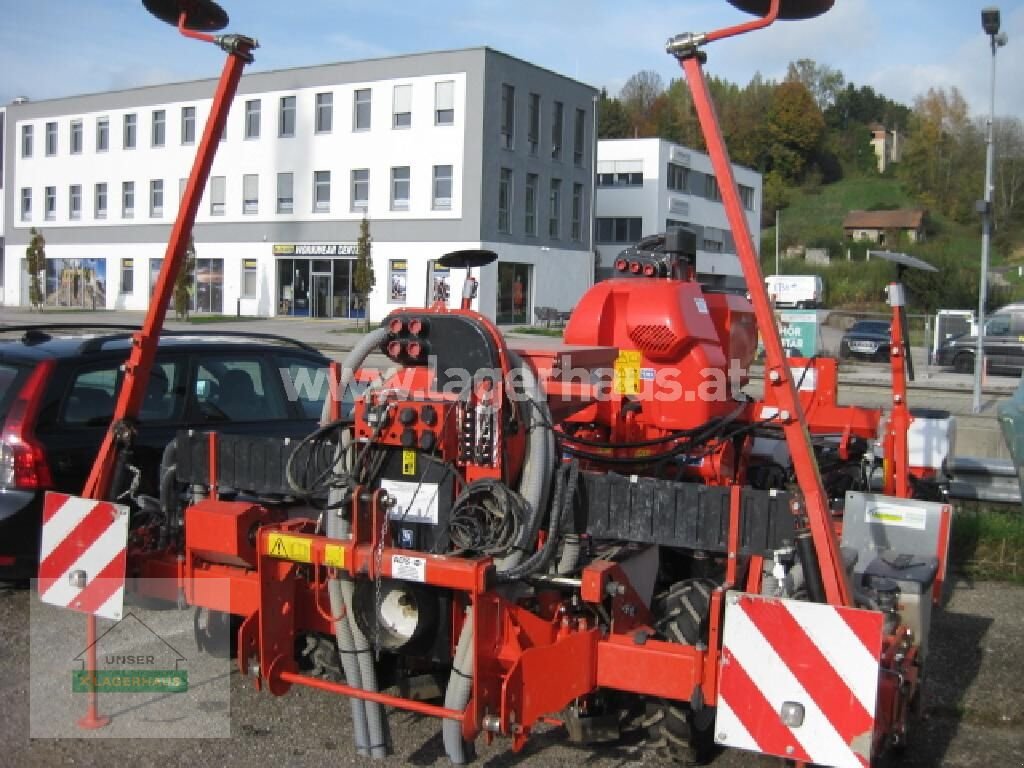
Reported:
(322, 291)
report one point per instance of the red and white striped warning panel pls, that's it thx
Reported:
(799, 680)
(82, 561)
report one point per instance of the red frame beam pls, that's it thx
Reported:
(777, 373)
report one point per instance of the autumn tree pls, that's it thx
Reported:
(794, 128)
(363, 280)
(638, 96)
(183, 282)
(35, 261)
(1008, 134)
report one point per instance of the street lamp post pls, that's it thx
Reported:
(990, 23)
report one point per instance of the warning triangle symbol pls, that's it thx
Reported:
(277, 548)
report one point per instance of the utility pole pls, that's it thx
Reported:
(776, 241)
(990, 23)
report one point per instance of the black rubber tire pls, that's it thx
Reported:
(672, 736)
(964, 362)
(216, 633)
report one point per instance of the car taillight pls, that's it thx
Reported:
(22, 458)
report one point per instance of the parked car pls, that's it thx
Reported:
(796, 291)
(58, 387)
(870, 339)
(1003, 343)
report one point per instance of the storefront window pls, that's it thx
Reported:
(207, 284)
(398, 281)
(76, 283)
(514, 301)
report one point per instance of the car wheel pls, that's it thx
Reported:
(964, 362)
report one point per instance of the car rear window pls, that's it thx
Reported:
(237, 389)
(94, 390)
(11, 379)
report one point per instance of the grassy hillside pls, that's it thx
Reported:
(814, 218)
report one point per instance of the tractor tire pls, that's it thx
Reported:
(675, 735)
(964, 362)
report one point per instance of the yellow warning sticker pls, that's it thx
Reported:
(627, 372)
(334, 555)
(408, 462)
(297, 548)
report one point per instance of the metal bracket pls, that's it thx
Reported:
(238, 45)
(686, 44)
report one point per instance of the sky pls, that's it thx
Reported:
(901, 48)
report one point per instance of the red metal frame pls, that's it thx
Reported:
(778, 377)
(897, 466)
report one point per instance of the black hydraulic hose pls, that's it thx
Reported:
(905, 326)
(168, 492)
(809, 561)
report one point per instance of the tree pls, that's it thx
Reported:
(184, 280)
(823, 82)
(612, 122)
(363, 280)
(794, 129)
(638, 96)
(35, 258)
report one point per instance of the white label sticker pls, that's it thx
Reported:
(903, 517)
(647, 374)
(805, 376)
(414, 502)
(408, 568)
(702, 306)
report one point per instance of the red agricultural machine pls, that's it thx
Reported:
(603, 533)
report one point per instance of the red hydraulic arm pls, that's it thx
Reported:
(897, 469)
(777, 373)
(144, 343)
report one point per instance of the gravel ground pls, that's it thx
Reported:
(972, 710)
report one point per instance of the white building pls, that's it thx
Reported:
(439, 151)
(645, 186)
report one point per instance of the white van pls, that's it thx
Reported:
(799, 291)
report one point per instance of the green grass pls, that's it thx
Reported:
(555, 333)
(988, 542)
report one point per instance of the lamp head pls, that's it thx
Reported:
(990, 20)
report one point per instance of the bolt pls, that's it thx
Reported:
(774, 377)
(790, 750)
(254, 668)
(783, 415)
(722, 736)
(491, 723)
(733, 598)
(77, 579)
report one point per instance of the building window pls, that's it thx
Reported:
(533, 123)
(321, 191)
(711, 190)
(250, 193)
(361, 110)
(26, 141)
(324, 112)
(576, 229)
(747, 196)
(532, 182)
(555, 209)
(159, 127)
(102, 134)
(130, 124)
(360, 189)
(444, 102)
(631, 179)
(401, 113)
(285, 200)
(127, 199)
(100, 200)
(127, 276)
(51, 139)
(76, 137)
(442, 197)
(508, 116)
(250, 278)
(286, 120)
(252, 119)
(579, 137)
(505, 201)
(619, 229)
(677, 177)
(557, 130)
(26, 203)
(188, 125)
(75, 201)
(50, 203)
(156, 198)
(218, 195)
(400, 188)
